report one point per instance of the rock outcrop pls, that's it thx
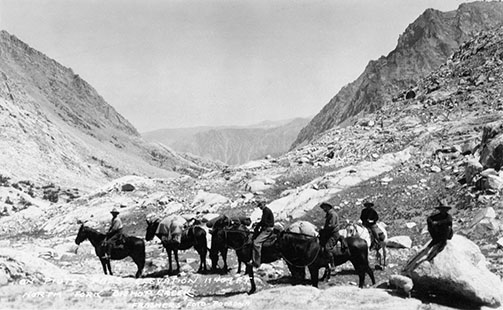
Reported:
(423, 47)
(458, 271)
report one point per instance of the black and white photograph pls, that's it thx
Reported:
(251, 154)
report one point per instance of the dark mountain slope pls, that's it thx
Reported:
(424, 45)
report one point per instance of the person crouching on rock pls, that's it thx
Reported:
(440, 225)
(331, 230)
(114, 235)
(263, 231)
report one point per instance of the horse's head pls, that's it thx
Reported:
(81, 235)
(351, 230)
(151, 229)
(223, 221)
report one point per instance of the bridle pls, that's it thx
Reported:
(241, 231)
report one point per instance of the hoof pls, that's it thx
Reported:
(378, 267)
(252, 291)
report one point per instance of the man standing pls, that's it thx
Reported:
(331, 229)
(114, 235)
(369, 218)
(264, 229)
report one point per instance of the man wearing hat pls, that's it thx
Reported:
(264, 229)
(369, 218)
(114, 235)
(440, 224)
(331, 229)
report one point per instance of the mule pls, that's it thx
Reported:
(133, 247)
(356, 230)
(218, 247)
(193, 236)
(356, 252)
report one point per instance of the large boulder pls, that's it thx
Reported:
(491, 154)
(458, 271)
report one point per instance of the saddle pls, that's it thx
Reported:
(376, 235)
(271, 240)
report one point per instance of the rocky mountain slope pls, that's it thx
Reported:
(57, 129)
(441, 139)
(424, 45)
(231, 145)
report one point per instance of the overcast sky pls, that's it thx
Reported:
(170, 64)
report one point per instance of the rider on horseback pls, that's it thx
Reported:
(369, 218)
(114, 236)
(264, 230)
(331, 228)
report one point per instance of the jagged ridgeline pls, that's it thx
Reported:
(56, 128)
(423, 47)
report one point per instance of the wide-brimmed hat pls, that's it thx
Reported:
(442, 204)
(367, 203)
(324, 205)
(114, 210)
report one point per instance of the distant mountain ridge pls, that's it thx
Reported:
(56, 128)
(423, 47)
(232, 144)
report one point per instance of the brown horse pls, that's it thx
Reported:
(133, 247)
(193, 236)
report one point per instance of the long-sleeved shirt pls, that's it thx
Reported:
(267, 219)
(115, 226)
(369, 216)
(440, 226)
(331, 220)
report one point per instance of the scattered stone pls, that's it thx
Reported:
(403, 283)
(399, 242)
(127, 187)
(500, 243)
(435, 169)
(410, 225)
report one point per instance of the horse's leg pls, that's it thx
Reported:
(169, 260)
(361, 276)
(326, 274)
(314, 275)
(239, 266)
(370, 273)
(249, 270)
(384, 254)
(109, 267)
(224, 258)
(104, 265)
(177, 263)
(139, 260)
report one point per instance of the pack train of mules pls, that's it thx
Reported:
(299, 245)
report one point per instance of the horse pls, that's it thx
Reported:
(133, 247)
(217, 225)
(356, 253)
(357, 230)
(192, 236)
